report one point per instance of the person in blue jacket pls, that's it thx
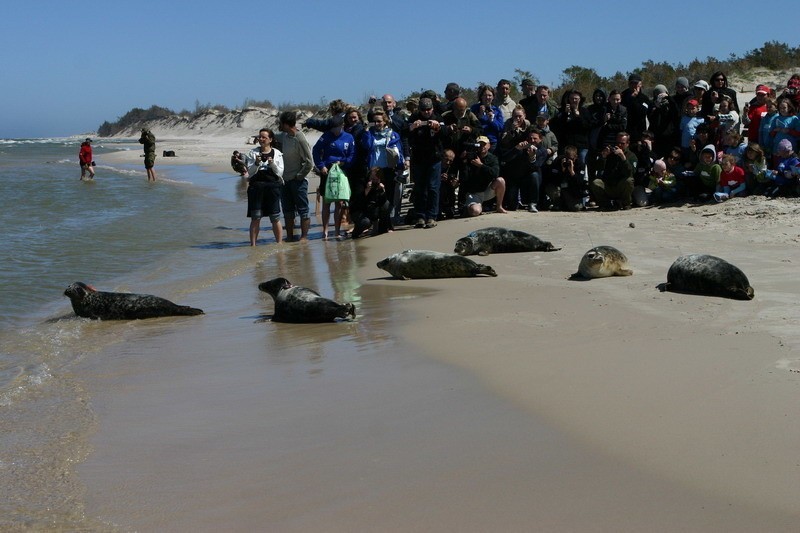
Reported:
(334, 147)
(490, 116)
(384, 150)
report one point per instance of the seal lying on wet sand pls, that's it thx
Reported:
(299, 304)
(602, 262)
(501, 240)
(707, 275)
(88, 302)
(425, 264)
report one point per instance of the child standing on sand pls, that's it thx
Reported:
(731, 179)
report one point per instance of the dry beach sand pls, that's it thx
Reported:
(526, 402)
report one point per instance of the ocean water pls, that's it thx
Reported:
(118, 233)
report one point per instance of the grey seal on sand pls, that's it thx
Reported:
(88, 302)
(602, 262)
(707, 275)
(501, 240)
(299, 304)
(425, 264)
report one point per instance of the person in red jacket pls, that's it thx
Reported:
(85, 158)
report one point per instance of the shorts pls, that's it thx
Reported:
(149, 160)
(294, 198)
(480, 197)
(264, 198)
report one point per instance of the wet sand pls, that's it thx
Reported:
(522, 402)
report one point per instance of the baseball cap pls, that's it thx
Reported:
(762, 89)
(483, 139)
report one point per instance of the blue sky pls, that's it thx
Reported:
(68, 66)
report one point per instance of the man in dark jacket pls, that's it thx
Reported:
(481, 181)
(638, 105)
(617, 167)
(425, 145)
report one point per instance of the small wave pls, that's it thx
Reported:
(21, 380)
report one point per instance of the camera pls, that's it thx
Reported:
(264, 157)
(472, 150)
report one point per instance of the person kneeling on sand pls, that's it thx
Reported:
(481, 179)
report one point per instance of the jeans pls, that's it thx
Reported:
(427, 179)
(295, 198)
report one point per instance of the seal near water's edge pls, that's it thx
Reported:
(501, 240)
(602, 262)
(299, 304)
(425, 264)
(88, 302)
(707, 275)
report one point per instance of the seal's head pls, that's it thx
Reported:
(594, 257)
(78, 290)
(275, 286)
(464, 246)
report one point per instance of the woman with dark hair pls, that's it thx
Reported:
(573, 124)
(264, 181)
(490, 116)
(719, 88)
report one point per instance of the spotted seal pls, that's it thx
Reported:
(602, 262)
(299, 304)
(425, 264)
(88, 302)
(501, 240)
(707, 275)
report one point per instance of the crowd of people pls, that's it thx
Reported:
(619, 150)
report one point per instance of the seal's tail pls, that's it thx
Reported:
(185, 310)
(486, 269)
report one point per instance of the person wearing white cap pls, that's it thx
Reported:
(481, 180)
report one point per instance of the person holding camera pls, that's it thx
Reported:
(149, 141)
(481, 181)
(617, 167)
(566, 186)
(511, 152)
(489, 115)
(638, 105)
(375, 214)
(264, 182)
(665, 121)
(383, 150)
(425, 143)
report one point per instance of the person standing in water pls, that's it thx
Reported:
(149, 142)
(85, 157)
